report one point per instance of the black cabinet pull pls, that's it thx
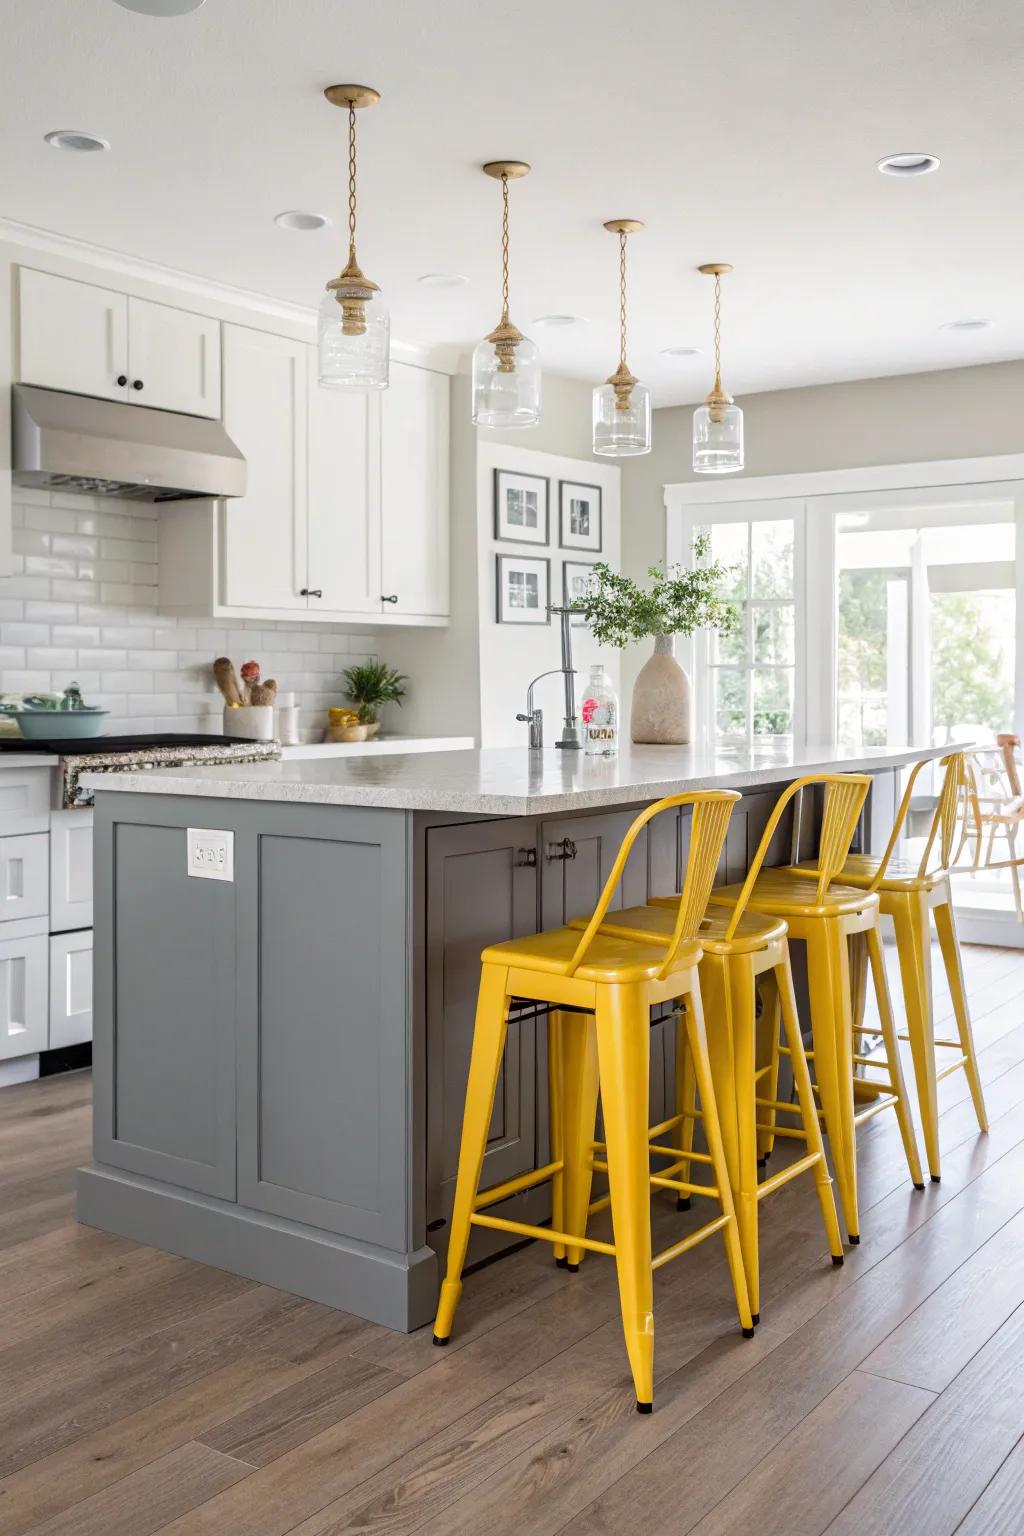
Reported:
(122, 380)
(526, 858)
(566, 849)
(386, 599)
(311, 592)
(136, 383)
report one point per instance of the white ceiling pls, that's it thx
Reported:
(745, 132)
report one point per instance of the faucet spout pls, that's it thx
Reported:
(535, 717)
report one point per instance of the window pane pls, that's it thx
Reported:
(972, 645)
(772, 554)
(873, 657)
(774, 634)
(773, 701)
(730, 703)
(729, 544)
(731, 648)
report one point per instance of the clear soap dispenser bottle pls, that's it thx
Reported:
(600, 712)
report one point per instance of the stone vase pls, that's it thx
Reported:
(660, 712)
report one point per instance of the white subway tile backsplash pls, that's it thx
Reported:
(82, 605)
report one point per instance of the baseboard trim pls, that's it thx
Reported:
(397, 1290)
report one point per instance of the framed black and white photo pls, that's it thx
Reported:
(579, 516)
(520, 508)
(576, 576)
(523, 589)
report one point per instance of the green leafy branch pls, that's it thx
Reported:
(679, 601)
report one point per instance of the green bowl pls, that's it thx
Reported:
(59, 724)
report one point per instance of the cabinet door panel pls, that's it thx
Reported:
(70, 870)
(414, 491)
(23, 995)
(70, 989)
(344, 499)
(577, 854)
(74, 336)
(480, 890)
(263, 540)
(24, 876)
(175, 356)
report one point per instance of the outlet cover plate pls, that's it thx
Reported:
(211, 853)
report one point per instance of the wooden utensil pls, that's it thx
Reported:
(227, 680)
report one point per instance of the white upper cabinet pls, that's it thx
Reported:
(93, 341)
(73, 336)
(414, 493)
(173, 359)
(344, 499)
(264, 533)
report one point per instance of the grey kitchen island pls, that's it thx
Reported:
(287, 957)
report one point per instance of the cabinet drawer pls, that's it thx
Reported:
(24, 799)
(24, 876)
(70, 989)
(70, 870)
(24, 1017)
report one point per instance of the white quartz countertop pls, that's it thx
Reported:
(377, 746)
(504, 781)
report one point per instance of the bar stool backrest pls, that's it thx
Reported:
(845, 794)
(954, 811)
(711, 811)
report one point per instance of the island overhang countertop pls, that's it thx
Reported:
(510, 781)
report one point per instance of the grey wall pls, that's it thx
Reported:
(952, 414)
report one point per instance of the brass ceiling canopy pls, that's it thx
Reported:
(352, 288)
(623, 226)
(501, 170)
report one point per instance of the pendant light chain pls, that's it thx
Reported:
(718, 331)
(504, 250)
(351, 180)
(622, 299)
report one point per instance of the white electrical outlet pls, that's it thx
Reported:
(211, 854)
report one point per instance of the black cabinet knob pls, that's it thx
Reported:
(311, 592)
(122, 379)
(386, 599)
(526, 858)
(136, 383)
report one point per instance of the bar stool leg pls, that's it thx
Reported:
(914, 948)
(768, 1034)
(484, 1066)
(949, 944)
(808, 1108)
(892, 1051)
(623, 1052)
(744, 1092)
(698, 1043)
(828, 977)
(858, 976)
(556, 1134)
(686, 1101)
(579, 1113)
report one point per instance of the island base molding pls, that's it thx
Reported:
(396, 1290)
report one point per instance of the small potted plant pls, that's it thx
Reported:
(678, 602)
(370, 684)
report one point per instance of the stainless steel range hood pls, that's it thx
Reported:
(103, 448)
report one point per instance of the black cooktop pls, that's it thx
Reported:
(86, 745)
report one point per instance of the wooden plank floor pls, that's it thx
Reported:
(142, 1393)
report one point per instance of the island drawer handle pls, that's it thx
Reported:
(311, 591)
(386, 599)
(566, 849)
(527, 858)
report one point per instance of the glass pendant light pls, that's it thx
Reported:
(622, 405)
(506, 364)
(717, 424)
(353, 330)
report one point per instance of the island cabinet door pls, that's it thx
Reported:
(324, 1046)
(481, 888)
(164, 1000)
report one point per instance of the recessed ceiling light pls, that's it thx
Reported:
(555, 322)
(975, 324)
(73, 139)
(295, 218)
(909, 163)
(161, 7)
(681, 352)
(442, 280)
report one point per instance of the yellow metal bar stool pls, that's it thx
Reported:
(912, 894)
(823, 913)
(610, 985)
(742, 953)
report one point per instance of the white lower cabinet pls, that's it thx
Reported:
(70, 870)
(70, 989)
(24, 985)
